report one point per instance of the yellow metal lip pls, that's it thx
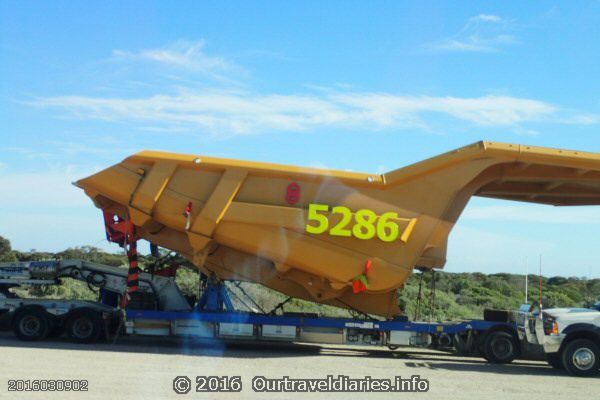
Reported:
(513, 152)
(200, 161)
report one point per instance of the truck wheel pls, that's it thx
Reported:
(84, 326)
(555, 360)
(581, 357)
(500, 347)
(30, 324)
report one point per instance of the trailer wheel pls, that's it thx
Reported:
(555, 360)
(500, 347)
(581, 357)
(31, 323)
(84, 326)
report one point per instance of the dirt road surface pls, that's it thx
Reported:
(144, 368)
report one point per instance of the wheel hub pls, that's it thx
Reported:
(502, 348)
(82, 328)
(30, 326)
(584, 359)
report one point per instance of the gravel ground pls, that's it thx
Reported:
(143, 368)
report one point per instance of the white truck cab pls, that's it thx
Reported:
(570, 338)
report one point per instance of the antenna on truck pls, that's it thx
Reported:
(540, 282)
(526, 281)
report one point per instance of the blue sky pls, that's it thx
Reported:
(366, 86)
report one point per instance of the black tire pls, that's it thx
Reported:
(84, 326)
(500, 347)
(555, 360)
(31, 324)
(581, 357)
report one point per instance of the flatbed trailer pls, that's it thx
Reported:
(495, 341)
(214, 317)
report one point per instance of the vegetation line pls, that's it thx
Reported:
(458, 295)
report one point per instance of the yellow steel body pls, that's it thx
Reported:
(241, 226)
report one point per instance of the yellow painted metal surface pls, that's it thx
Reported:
(242, 226)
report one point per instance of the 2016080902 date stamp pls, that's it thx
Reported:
(47, 385)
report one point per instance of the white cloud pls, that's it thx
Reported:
(486, 18)
(236, 112)
(54, 152)
(565, 251)
(224, 111)
(43, 210)
(485, 111)
(54, 231)
(477, 250)
(185, 55)
(483, 33)
(47, 188)
(582, 119)
(534, 213)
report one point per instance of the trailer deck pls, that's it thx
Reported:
(163, 311)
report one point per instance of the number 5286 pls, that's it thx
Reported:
(367, 224)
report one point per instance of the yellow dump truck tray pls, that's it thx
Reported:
(341, 238)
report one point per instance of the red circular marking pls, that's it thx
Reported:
(293, 193)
